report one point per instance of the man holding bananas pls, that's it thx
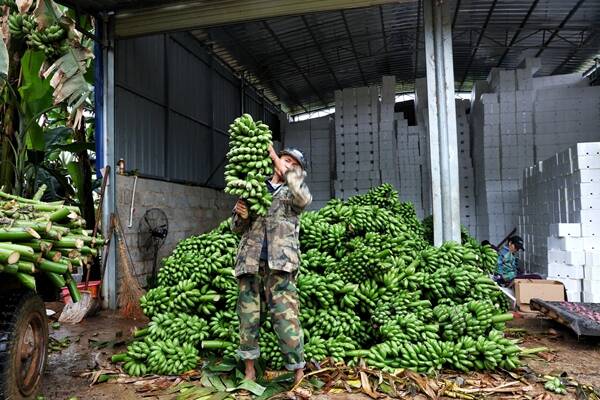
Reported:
(267, 263)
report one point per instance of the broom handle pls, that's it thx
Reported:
(119, 230)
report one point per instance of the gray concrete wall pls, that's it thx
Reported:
(190, 210)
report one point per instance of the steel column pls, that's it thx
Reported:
(442, 121)
(109, 285)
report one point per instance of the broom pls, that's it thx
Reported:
(129, 298)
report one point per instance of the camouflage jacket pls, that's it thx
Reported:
(281, 225)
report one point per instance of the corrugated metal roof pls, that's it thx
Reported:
(300, 60)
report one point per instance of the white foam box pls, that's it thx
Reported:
(565, 230)
(591, 243)
(591, 286)
(566, 257)
(574, 297)
(566, 271)
(586, 176)
(591, 272)
(590, 230)
(585, 163)
(586, 149)
(572, 285)
(591, 297)
(566, 243)
(592, 258)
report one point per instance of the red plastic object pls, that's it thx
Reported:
(93, 287)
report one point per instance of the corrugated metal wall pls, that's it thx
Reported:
(174, 103)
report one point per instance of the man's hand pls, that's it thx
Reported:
(241, 209)
(279, 166)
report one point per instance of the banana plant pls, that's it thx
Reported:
(43, 64)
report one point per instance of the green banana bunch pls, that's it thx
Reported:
(183, 327)
(269, 347)
(249, 163)
(170, 357)
(554, 384)
(225, 325)
(21, 25)
(315, 348)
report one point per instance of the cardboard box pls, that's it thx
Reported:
(527, 289)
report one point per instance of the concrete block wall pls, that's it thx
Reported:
(516, 120)
(313, 137)
(560, 219)
(190, 210)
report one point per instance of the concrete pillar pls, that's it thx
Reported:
(442, 121)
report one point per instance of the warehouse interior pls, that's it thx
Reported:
(526, 78)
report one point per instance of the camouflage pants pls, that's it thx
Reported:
(275, 290)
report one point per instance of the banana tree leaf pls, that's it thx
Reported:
(68, 78)
(57, 136)
(36, 93)
(219, 396)
(46, 13)
(3, 58)
(250, 386)
(62, 180)
(271, 390)
(24, 5)
(35, 138)
(3, 61)
(76, 147)
(194, 393)
(222, 366)
(76, 177)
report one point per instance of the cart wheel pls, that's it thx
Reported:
(23, 344)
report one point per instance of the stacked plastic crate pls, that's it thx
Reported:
(561, 219)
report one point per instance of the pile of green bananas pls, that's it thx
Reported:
(164, 357)
(51, 40)
(249, 163)
(370, 287)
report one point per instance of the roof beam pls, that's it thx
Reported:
(362, 75)
(560, 26)
(321, 52)
(485, 24)
(257, 66)
(417, 34)
(384, 37)
(575, 51)
(196, 14)
(293, 61)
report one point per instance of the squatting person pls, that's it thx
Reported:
(267, 262)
